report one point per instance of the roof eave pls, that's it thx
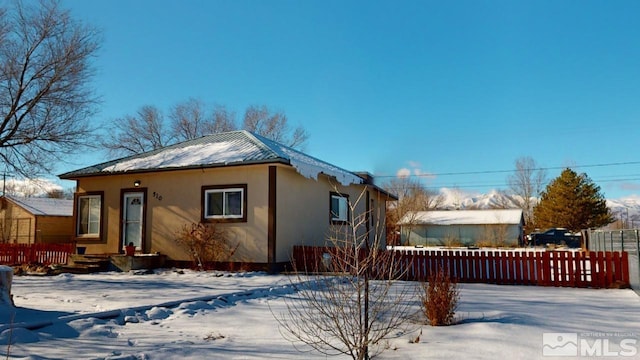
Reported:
(389, 196)
(71, 176)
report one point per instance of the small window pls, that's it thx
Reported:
(89, 215)
(339, 208)
(224, 203)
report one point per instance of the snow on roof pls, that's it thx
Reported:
(236, 147)
(44, 206)
(463, 217)
(200, 154)
(309, 166)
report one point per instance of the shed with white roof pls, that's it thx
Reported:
(491, 227)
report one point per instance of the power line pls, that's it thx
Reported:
(473, 185)
(484, 172)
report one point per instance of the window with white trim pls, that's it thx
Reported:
(224, 203)
(339, 208)
(89, 215)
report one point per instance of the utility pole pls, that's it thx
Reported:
(627, 226)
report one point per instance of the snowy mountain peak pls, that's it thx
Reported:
(626, 209)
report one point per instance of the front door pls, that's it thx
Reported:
(132, 219)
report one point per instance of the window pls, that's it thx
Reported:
(89, 215)
(339, 208)
(224, 203)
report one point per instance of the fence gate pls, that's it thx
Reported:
(627, 240)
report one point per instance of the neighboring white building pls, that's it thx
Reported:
(463, 228)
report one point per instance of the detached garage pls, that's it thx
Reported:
(463, 228)
(31, 220)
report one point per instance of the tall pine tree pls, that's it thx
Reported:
(572, 201)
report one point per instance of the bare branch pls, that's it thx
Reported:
(222, 120)
(45, 101)
(262, 121)
(527, 183)
(413, 196)
(135, 134)
(362, 304)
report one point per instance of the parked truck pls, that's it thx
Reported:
(555, 236)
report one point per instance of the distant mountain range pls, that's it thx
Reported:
(626, 209)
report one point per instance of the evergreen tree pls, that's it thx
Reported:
(572, 201)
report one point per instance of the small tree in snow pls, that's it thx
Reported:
(356, 310)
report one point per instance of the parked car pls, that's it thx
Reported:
(555, 236)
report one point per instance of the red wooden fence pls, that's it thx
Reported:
(514, 267)
(46, 254)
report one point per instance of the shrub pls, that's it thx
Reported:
(452, 241)
(206, 243)
(440, 298)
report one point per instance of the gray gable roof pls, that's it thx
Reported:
(223, 149)
(44, 206)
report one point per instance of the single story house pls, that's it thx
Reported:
(463, 228)
(267, 196)
(30, 220)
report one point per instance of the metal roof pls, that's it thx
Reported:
(222, 149)
(44, 206)
(463, 217)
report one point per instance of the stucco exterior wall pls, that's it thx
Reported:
(173, 199)
(303, 210)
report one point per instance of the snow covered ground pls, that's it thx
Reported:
(174, 314)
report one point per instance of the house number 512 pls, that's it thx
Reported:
(157, 196)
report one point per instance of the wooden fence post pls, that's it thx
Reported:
(609, 268)
(493, 268)
(625, 269)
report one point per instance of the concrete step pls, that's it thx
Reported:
(84, 264)
(78, 269)
(91, 261)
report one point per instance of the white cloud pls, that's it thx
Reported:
(30, 187)
(403, 173)
(414, 169)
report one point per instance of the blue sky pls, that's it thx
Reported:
(459, 89)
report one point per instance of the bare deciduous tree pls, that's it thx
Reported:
(275, 126)
(149, 130)
(223, 120)
(527, 182)
(136, 134)
(356, 310)
(45, 98)
(413, 196)
(188, 119)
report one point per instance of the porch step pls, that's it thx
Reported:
(81, 269)
(85, 264)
